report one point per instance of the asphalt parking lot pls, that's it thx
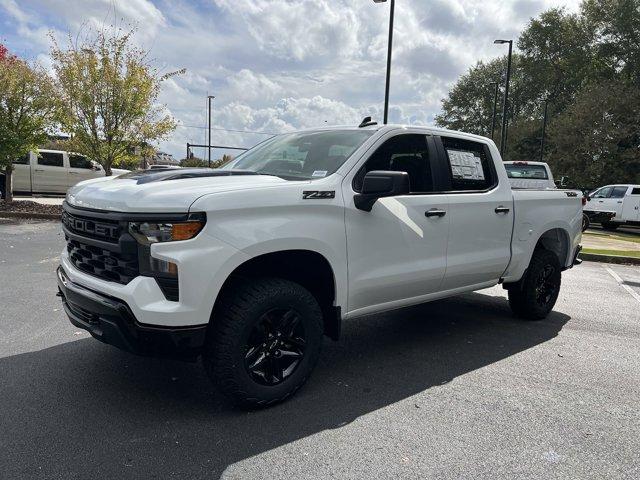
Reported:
(453, 389)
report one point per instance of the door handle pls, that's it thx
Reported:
(37, 170)
(74, 173)
(502, 209)
(600, 201)
(434, 212)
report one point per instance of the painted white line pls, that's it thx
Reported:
(621, 282)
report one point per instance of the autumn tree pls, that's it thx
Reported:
(109, 94)
(27, 111)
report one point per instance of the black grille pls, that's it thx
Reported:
(113, 266)
(169, 287)
(103, 230)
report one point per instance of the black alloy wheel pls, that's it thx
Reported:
(275, 347)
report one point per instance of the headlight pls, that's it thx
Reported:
(147, 233)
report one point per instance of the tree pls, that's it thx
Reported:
(27, 111)
(202, 163)
(109, 96)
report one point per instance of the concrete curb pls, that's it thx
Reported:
(596, 257)
(32, 215)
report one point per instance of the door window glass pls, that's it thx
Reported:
(402, 153)
(24, 160)
(635, 191)
(603, 192)
(618, 192)
(50, 159)
(469, 165)
(78, 161)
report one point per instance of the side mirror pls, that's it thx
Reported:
(378, 184)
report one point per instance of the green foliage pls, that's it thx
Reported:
(27, 110)
(201, 163)
(109, 96)
(588, 67)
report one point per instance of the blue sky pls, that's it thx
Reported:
(280, 65)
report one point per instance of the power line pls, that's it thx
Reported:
(227, 129)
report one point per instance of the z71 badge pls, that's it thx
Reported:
(318, 194)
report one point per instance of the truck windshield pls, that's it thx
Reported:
(301, 156)
(523, 170)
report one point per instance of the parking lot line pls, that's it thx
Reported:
(622, 284)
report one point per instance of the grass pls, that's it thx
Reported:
(618, 253)
(626, 237)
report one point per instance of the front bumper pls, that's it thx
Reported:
(111, 321)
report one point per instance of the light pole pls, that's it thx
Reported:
(544, 127)
(505, 105)
(495, 107)
(389, 48)
(209, 97)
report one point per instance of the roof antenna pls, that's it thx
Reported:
(366, 122)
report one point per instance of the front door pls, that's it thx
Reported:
(481, 215)
(80, 168)
(396, 253)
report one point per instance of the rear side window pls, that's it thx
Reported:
(635, 191)
(618, 192)
(24, 160)
(50, 159)
(78, 161)
(470, 166)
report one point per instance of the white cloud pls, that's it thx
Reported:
(279, 65)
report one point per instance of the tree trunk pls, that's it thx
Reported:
(107, 170)
(8, 184)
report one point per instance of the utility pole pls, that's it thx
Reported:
(389, 49)
(209, 97)
(544, 127)
(505, 106)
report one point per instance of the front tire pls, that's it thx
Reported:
(264, 341)
(538, 293)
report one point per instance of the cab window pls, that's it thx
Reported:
(50, 159)
(604, 192)
(79, 161)
(402, 153)
(23, 160)
(619, 192)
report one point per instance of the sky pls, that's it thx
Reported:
(281, 65)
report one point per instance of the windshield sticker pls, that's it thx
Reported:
(319, 173)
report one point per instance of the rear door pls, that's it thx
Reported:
(80, 168)
(481, 215)
(49, 173)
(616, 200)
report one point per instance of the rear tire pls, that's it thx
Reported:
(586, 222)
(538, 292)
(264, 341)
(610, 226)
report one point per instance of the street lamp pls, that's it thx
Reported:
(505, 105)
(495, 107)
(389, 47)
(544, 127)
(209, 97)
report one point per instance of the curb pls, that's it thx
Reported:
(596, 257)
(32, 215)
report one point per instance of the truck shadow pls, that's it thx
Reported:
(87, 410)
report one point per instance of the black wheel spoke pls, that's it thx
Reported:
(276, 346)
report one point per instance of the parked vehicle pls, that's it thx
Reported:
(54, 171)
(529, 175)
(250, 264)
(163, 167)
(614, 205)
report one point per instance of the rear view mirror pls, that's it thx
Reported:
(381, 183)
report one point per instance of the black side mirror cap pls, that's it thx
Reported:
(381, 183)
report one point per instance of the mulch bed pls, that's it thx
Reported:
(27, 207)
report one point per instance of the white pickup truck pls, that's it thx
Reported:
(249, 265)
(54, 171)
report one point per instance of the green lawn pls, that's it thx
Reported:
(619, 253)
(627, 237)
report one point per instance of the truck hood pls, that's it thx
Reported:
(164, 190)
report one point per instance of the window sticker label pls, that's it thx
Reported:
(319, 173)
(465, 165)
